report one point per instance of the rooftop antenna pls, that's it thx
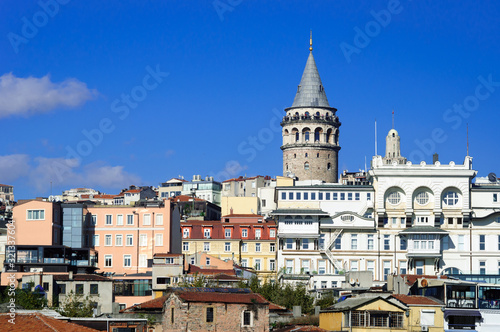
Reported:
(311, 41)
(376, 137)
(467, 139)
(365, 164)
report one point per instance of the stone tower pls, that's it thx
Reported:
(311, 131)
(393, 148)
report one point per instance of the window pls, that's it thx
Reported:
(244, 247)
(305, 243)
(207, 261)
(108, 240)
(127, 260)
(427, 317)
(297, 196)
(146, 219)
(94, 289)
(306, 166)
(450, 198)
(349, 196)
(94, 220)
(210, 315)
(257, 247)
(143, 260)
(313, 196)
(263, 203)
(446, 244)
(118, 240)
(272, 232)
(109, 219)
(244, 232)
(495, 198)
(108, 260)
(289, 243)
(130, 219)
(306, 263)
(159, 219)
(354, 265)
(402, 243)
(36, 215)
(320, 196)
(394, 220)
(461, 242)
(342, 196)
(289, 266)
(272, 265)
(290, 196)
(482, 239)
(354, 241)
(272, 247)
(206, 233)
(356, 196)
(185, 233)
(62, 288)
(158, 240)
(244, 262)
(482, 267)
(247, 318)
(206, 246)
(338, 242)
(257, 233)
(119, 220)
(306, 196)
(387, 269)
(79, 288)
(130, 239)
(96, 240)
(227, 246)
(394, 198)
(335, 195)
(498, 242)
(185, 246)
(370, 242)
(419, 267)
(368, 196)
(422, 198)
(327, 196)
(227, 233)
(387, 240)
(283, 196)
(402, 267)
(370, 266)
(143, 240)
(257, 264)
(321, 267)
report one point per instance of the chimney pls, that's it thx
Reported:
(70, 275)
(435, 157)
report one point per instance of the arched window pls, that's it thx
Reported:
(307, 154)
(450, 198)
(394, 198)
(306, 166)
(306, 135)
(297, 136)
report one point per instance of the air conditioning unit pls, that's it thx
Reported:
(425, 328)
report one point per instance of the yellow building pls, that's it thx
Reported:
(425, 313)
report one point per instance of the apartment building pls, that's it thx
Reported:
(248, 240)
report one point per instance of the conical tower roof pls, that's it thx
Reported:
(310, 91)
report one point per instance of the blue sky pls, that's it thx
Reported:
(104, 94)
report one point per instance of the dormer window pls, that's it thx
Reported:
(206, 233)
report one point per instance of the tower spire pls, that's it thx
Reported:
(393, 118)
(311, 41)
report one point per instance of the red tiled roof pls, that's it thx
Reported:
(243, 216)
(81, 277)
(195, 269)
(273, 306)
(246, 298)
(415, 300)
(104, 196)
(151, 304)
(133, 191)
(5, 185)
(218, 229)
(39, 323)
(185, 198)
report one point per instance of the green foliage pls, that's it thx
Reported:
(283, 295)
(326, 300)
(76, 305)
(27, 299)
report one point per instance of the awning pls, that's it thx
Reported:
(462, 312)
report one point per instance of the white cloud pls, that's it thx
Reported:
(27, 96)
(13, 167)
(41, 172)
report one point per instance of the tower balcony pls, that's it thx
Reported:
(311, 145)
(330, 119)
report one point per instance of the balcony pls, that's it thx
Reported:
(310, 118)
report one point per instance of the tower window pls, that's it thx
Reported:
(306, 155)
(307, 136)
(297, 136)
(294, 155)
(317, 155)
(329, 166)
(306, 166)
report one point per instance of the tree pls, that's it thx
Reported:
(327, 299)
(28, 299)
(76, 305)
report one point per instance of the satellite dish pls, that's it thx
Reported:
(492, 177)
(352, 281)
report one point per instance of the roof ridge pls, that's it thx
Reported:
(38, 316)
